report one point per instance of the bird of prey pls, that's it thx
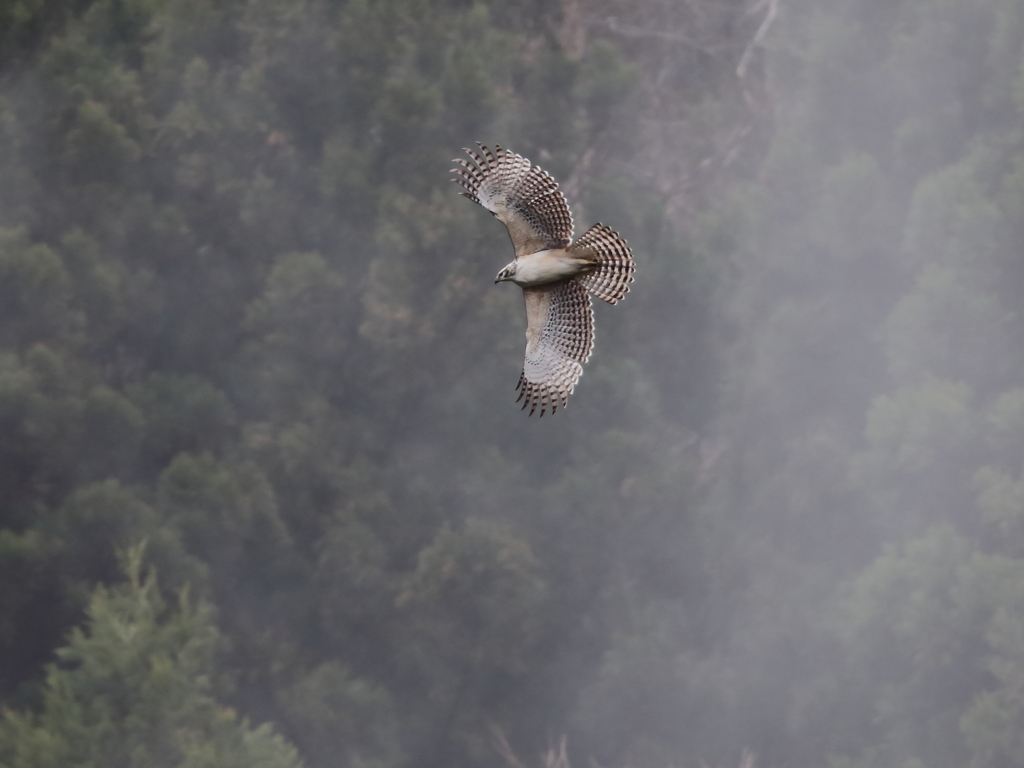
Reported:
(556, 274)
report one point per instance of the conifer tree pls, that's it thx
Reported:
(132, 689)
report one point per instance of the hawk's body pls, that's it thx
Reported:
(547, 266)
(554, 272)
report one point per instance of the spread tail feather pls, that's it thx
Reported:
(614, 272)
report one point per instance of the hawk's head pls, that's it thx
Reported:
(507, 273)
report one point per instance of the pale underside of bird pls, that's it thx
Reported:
(556, 274)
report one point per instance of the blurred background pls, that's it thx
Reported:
(265, 496)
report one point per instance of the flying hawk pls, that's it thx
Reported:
(554, 272)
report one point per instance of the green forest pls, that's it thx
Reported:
(266, 498)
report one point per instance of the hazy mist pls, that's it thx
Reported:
(266, 497)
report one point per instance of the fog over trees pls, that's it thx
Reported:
(266, 500)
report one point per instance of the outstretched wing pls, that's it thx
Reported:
(559, 337)
(524, 197)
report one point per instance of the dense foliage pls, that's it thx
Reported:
(266, 499)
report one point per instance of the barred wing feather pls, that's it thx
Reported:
(559, 338)
(523, 196)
